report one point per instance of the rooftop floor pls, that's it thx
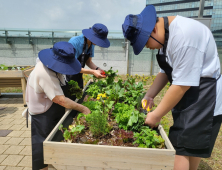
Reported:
(15, 148)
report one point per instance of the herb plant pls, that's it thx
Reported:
(74, 89)
(98, 123)
(148, 138)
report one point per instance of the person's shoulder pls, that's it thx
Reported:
(189, 27)
(176, 35)
(188, 32)
(41, 71)
(77, 39)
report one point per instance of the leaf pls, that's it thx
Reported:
(121, 92)
(110, 105)
(133, 119)
(109, 92)
(78, 129)
(60, 127)
(80, 115)
(67, 135)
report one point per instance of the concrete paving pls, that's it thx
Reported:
(15, 148)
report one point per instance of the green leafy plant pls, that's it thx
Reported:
(133, 90)
(128, 118)
(3, 67)
(110, 75)
(74, 89)
(148, 138)
(69, 135)
(98, 123)
(93, 90)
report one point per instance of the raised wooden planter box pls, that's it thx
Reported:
(13, 78)
(74, 156)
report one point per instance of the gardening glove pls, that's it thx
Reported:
(147, 103)
(99, 74)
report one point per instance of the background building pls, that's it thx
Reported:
(190, 8)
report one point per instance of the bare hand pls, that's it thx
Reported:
(147, 101)
(86, 110)
(98, 74)
(152, 120)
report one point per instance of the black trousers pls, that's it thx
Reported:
(41, 126)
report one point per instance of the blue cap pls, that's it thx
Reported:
(137, 28)
(97, 35)
(61, 58)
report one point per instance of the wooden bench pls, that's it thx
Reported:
(13, 78)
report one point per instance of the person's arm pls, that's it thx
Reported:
(97, 73)
(90, 64)
(158, 84)
(171, 98)
(70, 104)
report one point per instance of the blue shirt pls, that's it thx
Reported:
(78, 43)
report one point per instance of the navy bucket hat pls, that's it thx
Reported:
(137, 28)
(61, 58)
(97, 35)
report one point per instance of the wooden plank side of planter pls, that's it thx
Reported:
(100, 156)
(12, 73)
(165, 137)
(60, 167)
(10, 82)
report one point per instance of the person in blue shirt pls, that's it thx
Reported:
(84, 46)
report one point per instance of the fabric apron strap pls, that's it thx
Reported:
(219, 77)
(161, 58)
(166, 27)
(84, 57)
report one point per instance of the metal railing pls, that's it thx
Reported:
(21, 47)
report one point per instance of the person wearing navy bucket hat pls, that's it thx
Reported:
(47, 95)
(84, 45)
(188, 59)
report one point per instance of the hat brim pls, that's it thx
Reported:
(46, 57)
(149, 22)
(89, 34)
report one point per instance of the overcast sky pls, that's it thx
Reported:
(66, 14)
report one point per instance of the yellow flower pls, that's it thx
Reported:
(98, 98)
(104, 95)
(71, 126)
(100, 94)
